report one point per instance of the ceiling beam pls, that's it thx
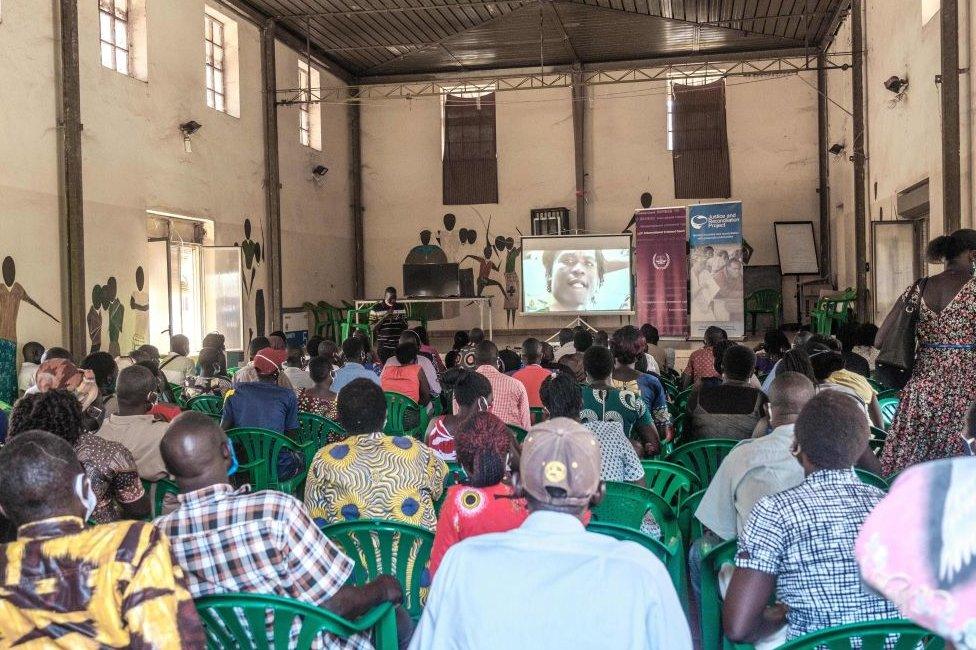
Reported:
(550, 7)
(394, 10)
(843, 7)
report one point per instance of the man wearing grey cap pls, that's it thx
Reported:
(550, 583)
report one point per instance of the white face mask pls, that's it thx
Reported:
(85, 494)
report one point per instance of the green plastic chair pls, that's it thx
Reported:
(870, 478)
(710, 604)
(672, 561)
(538, 414)
(387, 548)
(877, 385)
(691, 528)
(5, 407)
(209, 404)
(455, 476)
(258, 451)
(318, 314)
(158, 489)
(889, 408)
(877, 440)
(262, 622)
(680, 403)
(889, 392)
(764, 302)
(357, 320)
(417, 313)
(397, 409)
(177, 391)
(518, 432)
(832, 310)
(333, 321)
(316, 432)
(702, 457)
(873, 635)
(669, 481)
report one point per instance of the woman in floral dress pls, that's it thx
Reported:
(943, 384)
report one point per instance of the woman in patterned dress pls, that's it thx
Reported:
(943, 383)
(319, 399)
(472, 395)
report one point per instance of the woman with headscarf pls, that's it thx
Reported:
(487, 504)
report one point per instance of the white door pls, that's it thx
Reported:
(224, 296)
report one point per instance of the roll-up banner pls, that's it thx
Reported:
(715, 238)
(662, 269)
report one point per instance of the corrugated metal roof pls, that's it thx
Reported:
(404, 37)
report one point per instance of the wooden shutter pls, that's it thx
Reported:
(701, 143)
(470, 166)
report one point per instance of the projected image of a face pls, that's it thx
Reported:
(574, 276)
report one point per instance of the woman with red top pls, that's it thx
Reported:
(406, 376)
(472, 394)
(487, 504)
(319, 399)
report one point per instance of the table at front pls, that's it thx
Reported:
(482, 301)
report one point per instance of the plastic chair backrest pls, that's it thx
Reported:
(889, 392)
(262, 622)
(873, 635)
(668, 557)
(681, 400)
(177, 391)
(162, 487)
(538, 414)
(626, 504)
(258, 451)
(764, 300)
(870, 478)
(315, 432)
(691, 528)
(710, 604)
(702, 457)
(387, 548)
(5, 407)
(209, 404)
(397, 408)
(518, 432)
(669, 481)
(889, 408)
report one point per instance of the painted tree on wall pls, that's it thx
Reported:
(12, 294)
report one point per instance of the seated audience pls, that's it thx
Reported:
(553, 554)
(33, 351)
(428, 351)
(916, 548)
(654, 351)
(828, 368)
(565, 339)
(619, 462)
(57, 353)
(487, 502)
(320, 399)
(370, 475)
(213, 378)
(548, 363)
(601, 338)
(312, 346)
(532, 374)
(774, 346)
(278, 340)
(701, 362)
(110, 467)
(864, 340)
(853, 362)
(177, 365)
(331, 351)
(263, 403)
(248, 373)
(134, 427)
(509, 361)
(405, 376)
(65, 585)
(106, 372)
(469, 358)
(294, 369)
(453, 358)
(511, 401)
(235, 541)
(426, 365)
(799, 544)
(472, 395)
(627, 346)
(582, 341)
(603, 402)
(800, 342)
(353, 366)
(215, 340)
(733, 408)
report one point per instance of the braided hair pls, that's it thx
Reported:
(55, 411)
(467, 385)
(561, 396)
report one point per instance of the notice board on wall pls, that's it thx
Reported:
(797, 248)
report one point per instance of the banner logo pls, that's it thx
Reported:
(699, 221)
(661, 261)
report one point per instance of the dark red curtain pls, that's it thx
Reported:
(470, 166)
(701, 142)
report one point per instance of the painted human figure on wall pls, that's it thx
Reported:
(513, 290)
(448, 240)
(116, 316)
(426, 253)
(12, 293)
(252, 259)
(486, 266)
(139, 303)
(94, 319)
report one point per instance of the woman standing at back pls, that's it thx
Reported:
(943, 382)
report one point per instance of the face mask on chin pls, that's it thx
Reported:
(85, 494)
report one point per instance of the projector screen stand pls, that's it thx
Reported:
(578, 322)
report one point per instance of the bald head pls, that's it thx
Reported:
(196, 452)
(788, 394)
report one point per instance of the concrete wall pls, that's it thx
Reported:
(134, 161)
(772, 128)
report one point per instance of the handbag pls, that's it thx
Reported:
(898, 347)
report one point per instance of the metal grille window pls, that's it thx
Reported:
(113, 17)
(710, 76)
(470, 165)
(214, 40)
(701, 143)
(304, 109)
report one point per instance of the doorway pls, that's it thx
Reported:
(898, 260)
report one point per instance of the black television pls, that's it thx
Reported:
(431, 280)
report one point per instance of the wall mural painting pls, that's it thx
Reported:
(12, 294)
(253, 257)
(94, 318)
(497, 263)
(116, 315)
(139, 303)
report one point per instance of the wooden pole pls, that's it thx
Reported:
(272, 177)
(860, 183)
(356, 195)
(579, 117)
(951, 201)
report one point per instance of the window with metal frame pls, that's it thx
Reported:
(304, 112)
(214, 45)
(113, 18)
(691, 79)
(469, 159)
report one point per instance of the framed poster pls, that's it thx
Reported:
(797, 248)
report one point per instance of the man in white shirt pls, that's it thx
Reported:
(292, 369)
(565, 344)
(177, 365)
(550, 583)
(33, 351)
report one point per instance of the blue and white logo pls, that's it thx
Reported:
(699, 221)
